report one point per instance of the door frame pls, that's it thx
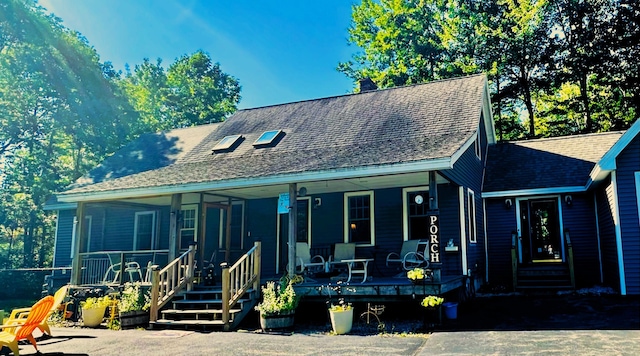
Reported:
(278, 240)
(558, 199)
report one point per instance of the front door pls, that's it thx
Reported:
(541, 240)
(214, 247)
(303, 234)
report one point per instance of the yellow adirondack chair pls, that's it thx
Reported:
(37, 314)
(19, 316)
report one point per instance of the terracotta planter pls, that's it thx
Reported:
(93, 317)
(134, 318)
(341, 320)
(279, 321)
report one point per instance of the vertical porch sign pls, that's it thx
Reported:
(283, 203)
(434, 236)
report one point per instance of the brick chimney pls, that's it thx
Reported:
(366, 84)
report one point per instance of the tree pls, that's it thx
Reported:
(192, 91)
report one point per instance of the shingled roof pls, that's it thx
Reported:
(384, 127)
(546, 163)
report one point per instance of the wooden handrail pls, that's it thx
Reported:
(569, 247)
(176, 276)
(514, 258)
(237, 279)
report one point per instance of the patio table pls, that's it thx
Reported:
(358, 266)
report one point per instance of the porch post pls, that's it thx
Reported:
(227, 239)
(293, 215)
(76, 264)
(176, 205)
(433, 191)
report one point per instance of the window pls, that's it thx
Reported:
(359, 218)
(477, 146)
(144, 230)
(188, 226)
(471, 209)
(226, 143)
(267, 138)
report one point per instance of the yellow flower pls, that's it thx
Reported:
(431, 301)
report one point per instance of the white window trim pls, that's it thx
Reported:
(88, 220)
(637, 174)
(477, 146)
(153, 228)
(471, 215)
(196, 224)
(405, 209)
(371, 216)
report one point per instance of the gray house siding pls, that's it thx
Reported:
(627, 163)
(610, 271)
(579, 218)
(501, 222)
(63, 244)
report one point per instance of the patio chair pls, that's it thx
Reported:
(342, 252)
(132, 268)
(412, 255)
(37, 315)
(19, 316)
(305, 262)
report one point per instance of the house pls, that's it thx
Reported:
(565, 208)
(376, 169)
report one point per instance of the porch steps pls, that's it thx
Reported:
(544, 277)
(201, 309)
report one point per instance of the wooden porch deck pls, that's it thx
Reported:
(375, 289)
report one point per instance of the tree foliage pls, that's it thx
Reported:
(62, 111)
(556, 67)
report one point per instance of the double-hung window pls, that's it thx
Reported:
(471, 209)
(359, 218)
(144, 237)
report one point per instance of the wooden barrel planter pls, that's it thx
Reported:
(134, 318)
(283, 320)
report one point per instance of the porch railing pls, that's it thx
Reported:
(569, 248)
(514, 258)
(176, 276)
(237, 279)
(106, 267)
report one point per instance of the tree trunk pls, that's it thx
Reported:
(584, 96)
(527, 101)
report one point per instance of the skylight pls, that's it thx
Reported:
(226, 143)
(267, 138)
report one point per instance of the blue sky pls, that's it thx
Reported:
(281, 51)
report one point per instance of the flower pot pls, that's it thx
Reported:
(134, 318)
(432, 317)
(451, 310)
(282, 320)
(341, 320)
(92, 317)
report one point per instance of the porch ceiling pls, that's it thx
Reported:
(313, 188)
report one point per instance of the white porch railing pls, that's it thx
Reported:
(106, 267)
(176, 276)
(237, 279)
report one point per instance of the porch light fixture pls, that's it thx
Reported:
(317, 202)
(568, 199)
(302, 192)
(508, 203)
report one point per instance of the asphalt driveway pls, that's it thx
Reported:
(502, 325)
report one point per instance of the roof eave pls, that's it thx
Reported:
(534, 191)
(301, 177)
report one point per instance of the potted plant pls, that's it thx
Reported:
(340, 314)
(417, 275)
(278, 306)
(433, 313)
(93, 309)
(133, 306)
